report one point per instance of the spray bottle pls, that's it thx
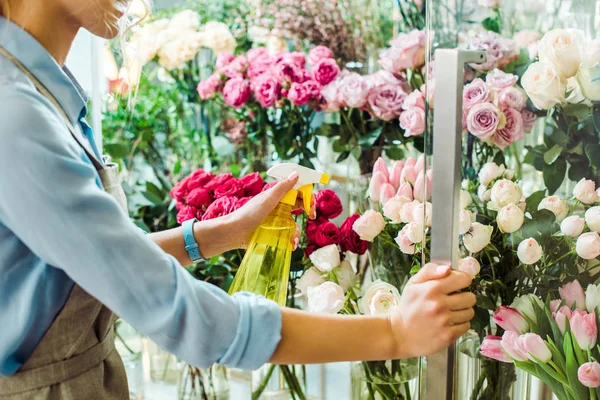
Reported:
(265, 268)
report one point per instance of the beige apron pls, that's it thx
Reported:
(76, 358)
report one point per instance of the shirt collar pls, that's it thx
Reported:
(42, 65)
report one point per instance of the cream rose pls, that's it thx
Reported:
(469, 265)
(510, 218)
(558, 206)
(588, 246)
(529, 251)
(572, 226)
(478, 237)
(407, 214)
(585, 191)
(592, 218)
(422, 214)
(393, 208)
(544, 85)
(327, 298)
(380, 298)
(369, 225)
(490, 172)
(562, 48)
(505, 192)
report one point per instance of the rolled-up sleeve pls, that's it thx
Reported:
(50, 198)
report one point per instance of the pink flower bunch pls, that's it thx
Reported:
(270, 78)
(205, 196)
(494, 109)
(406, 51)
(500, 51)
(403, 178)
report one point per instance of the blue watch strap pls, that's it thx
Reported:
(190, 241)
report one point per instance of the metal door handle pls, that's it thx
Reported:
(447, 152)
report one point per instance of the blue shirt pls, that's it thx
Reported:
(58, 227)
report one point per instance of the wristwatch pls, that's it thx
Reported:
(191, 246)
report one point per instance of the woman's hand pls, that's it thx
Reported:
(252, 214)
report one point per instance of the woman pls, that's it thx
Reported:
(70, 257)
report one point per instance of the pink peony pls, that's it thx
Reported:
(407, 51)
(208, 87)
(266, 89)
(413, 121)
(529, 119)
(513, 130)
(483, 120)
(230, 72)
(325, 71)
(296, 57)
(476, 92)
(512, 97)
(319, 53)
(224, 59)
(332, 96)
(499, 80)
(260, 66)
(386, 101)
(298, 94)
(236, 92)
(257, 53)
(354, 89)
(313, 88)
(288, 72)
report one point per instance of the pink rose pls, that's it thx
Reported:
(383, 77)
(513, 130)
(369, 225)
(221, 207)
(529, 119)
(187, 212)
(288, 72)
(404, 243)
(354, 90)
(589, 374)
(218, 181)
(180, 191)
(253, 184)
(476, 92)
(298, 94)
(414, 99)
(483, 120)
(500, 51)
(208, 87)
(572, 293)
(325, 71)
(313, 88)
(318, 53)
(407, 51)
(413, 121)
(242, 202)
(584, 329)
(332, 96)
(492, 348)
(499, 80)
(296, 57)
(526, 37)
(510, 319)
(231, 188)
(224, 59)
(512, 97)
(266, 89)
(199, 179)
(386, 101)
(236, 92)
(199, 198)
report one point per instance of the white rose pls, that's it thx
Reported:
(510, 218)
(346, 275)
(469, 265)
(310, 278)
(585, 191)
(369, 225)
(422, 214)
(415, 232)
(379, 299)
(588, 246)
(464, 221)
(408, 211)
(572, 226)
(562, 48)
(393, 208)
(404, 243)
(588, 82)
(592, 297)
(529, 251)
(558, 206)
(592, 217)
(218, 37)
(478, 237)
(490, 172)
(544, 85)
(326, 258)
(465, 199)
(484, 193)
(505, 192)
(525, 305)
(185, 20)
(327, 298)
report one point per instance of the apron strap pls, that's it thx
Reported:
(59, 372)
(46, 93)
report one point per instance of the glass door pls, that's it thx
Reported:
(513, 121)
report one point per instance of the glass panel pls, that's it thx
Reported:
(529, 212)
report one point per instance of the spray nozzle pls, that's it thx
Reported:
(307, 177)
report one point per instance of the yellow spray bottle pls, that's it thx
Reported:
(265, 268)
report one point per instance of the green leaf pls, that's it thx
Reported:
(554, 175)
(534, 200)
(593, 154)
(142, 225)
(491, 24)
(499, 158)
(154, 199)
(177, 167)
(486, 302)
(343, 156)
(370, 139)
(572, 368)
(339, 145)
(394, 153)
(545, 220)
(152, 188)
(579, 168)
(579, 111)
(551, 155)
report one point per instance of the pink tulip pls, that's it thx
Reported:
(396, 174)
(572, 293)
(423, 188)
(492, 348)
(534, 346)
(410, 162)
(406, 190)
(377, 181)
(386, 193)
(510, 319)
(420, 164)
(554, 305)
(583, 326)
(562, 317)
(589, 374)
(409, 174)
(381, 166)
(510, 344)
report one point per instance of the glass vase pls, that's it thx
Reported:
(279, 382)
(385, 380)
(164, 366)
(203, 384)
